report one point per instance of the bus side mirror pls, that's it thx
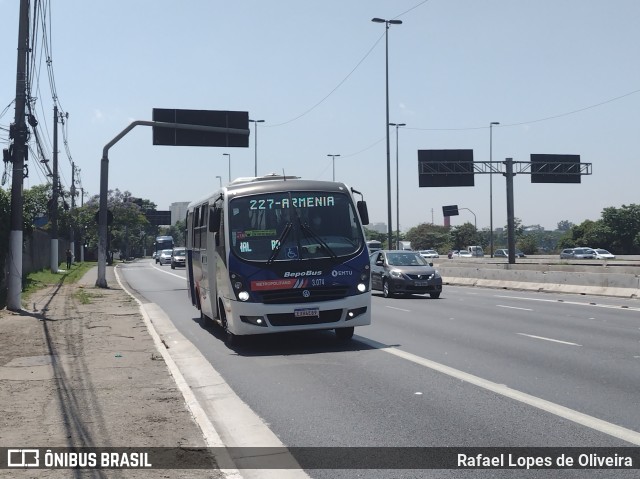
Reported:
(363, 212)
(214, 220)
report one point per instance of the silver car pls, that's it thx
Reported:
(577, 253)
(165, 256)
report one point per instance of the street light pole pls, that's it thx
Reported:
(491, 185)
(475, 221)
(397, 125)
(220, 178)
(229, 155)
(255, 147)
(333, 161)
(386, 123)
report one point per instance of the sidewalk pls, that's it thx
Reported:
(78, 368)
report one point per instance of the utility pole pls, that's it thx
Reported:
(54, 196)
(72, 239)
(14, 284)
(82, 233)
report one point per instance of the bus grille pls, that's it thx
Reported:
(289, 319)
(285, 296)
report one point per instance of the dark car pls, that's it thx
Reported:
(178, 257)
(404, 272)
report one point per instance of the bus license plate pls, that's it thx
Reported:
(307, 312)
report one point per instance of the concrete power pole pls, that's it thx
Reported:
(54, 196)
(72, 238)
(14, 284)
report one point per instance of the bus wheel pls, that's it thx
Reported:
(230, 339)
(344, 334)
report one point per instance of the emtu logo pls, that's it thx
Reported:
(23, 458)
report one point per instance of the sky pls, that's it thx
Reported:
(561, 77)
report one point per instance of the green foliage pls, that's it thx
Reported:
(565, 225)
(130, 230)
(528, 244)
(176, 231)
(624, 223)
(618, 231)
(5, 228)
(429, 236)
(45, 278)
(465, 235)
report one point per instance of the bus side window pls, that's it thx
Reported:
(214, 220)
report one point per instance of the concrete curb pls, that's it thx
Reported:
(632, 293)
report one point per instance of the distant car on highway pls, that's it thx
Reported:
(178, 257)
(577, 253)
(461, 254)
(165, 256)
(504, 253)
(429, 253)
(403, 272)
(603, 254)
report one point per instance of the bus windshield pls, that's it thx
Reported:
(297, 225)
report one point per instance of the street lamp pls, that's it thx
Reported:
(333, 161)
(491, 185)
(475, 222)
(220, 178)
(386, 123)
(229, 155)
(397, 125)
(255, 122)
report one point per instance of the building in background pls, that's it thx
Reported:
(178, 211)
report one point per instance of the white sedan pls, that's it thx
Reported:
(461, 254)
(429, 253)
(603, 254)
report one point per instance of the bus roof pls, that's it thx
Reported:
(272, 183)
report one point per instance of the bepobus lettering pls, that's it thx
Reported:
(298, 274)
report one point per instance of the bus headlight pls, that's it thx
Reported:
(237, 282)
(365, 280)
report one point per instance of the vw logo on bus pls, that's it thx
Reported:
(306, 293)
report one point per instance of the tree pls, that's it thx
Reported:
(624, 225)
(129, 230)
(564, 225)
(465, 235)
(36, 203)
(429, 236)
(177, 232)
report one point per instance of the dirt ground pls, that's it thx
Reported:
(78, 368)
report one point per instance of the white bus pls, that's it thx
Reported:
(273, 254)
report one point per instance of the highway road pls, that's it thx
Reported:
(477, 367)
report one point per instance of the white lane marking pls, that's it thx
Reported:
(399, 309)
(513, 307)
(591, 422)
(167, 272)
(575, 303)
(548, 339)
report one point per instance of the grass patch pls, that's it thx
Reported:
(45, 278)
(83, 296)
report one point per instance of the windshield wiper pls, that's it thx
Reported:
(281, 239)
(307, 229)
